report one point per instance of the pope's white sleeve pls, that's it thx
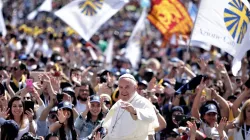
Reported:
(107, 119)
(146, 113)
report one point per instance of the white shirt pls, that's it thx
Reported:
(25, 129)
(237, 134)
(80, 107)
(125, 128)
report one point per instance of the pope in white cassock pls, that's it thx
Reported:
(129, 118)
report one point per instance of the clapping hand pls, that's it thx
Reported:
(220, 128)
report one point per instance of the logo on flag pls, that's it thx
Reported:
(236, 18)
(90, 7)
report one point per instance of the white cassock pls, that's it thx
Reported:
(121, 125)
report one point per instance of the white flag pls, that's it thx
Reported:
(133, 49)
(46, 6)
(225, 24)
(86, 16)
(109, 51)
(2, 24)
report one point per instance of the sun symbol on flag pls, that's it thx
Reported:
(236, 18)
(91, 7)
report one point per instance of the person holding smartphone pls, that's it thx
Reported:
(16, 112)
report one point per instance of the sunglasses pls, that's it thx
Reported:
(107, 102)
(159, 94)
(14, 68)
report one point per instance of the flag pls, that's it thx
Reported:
(133, 49)
(46, 6)
(225, 25)
(109, 51)
(170, 16)
(2, 24)
(86, 16)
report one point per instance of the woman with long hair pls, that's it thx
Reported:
(23, 118)
(242, 123)
(65, 126)
(88, 120)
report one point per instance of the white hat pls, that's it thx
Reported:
(128, 76)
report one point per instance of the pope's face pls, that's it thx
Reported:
(126, 89)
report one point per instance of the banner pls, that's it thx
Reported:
(45, 6)
(169, 17)
(87, 16)
(225, 25)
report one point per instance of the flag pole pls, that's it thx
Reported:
(191, 36)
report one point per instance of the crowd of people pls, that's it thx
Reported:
(56, 86)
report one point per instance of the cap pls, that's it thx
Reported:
(95, 98)
(128, 76)
(65, 104)
(177, 108)
(210, 108)
(69, 90)
(143, 82)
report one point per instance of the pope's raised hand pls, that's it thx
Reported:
(128, 107)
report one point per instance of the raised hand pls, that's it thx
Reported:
(202, 63)
(128, 107)
(4, 102)
(192, 126)
(151, 84)
(4, 113)
(55, 83)
(110, 81)
(214, 93)
(61, 117)
(201, 86)
(220, 66)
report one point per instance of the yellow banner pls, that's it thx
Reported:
(169, 17)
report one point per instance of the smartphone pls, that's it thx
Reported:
(28, 105)
(179, 118)
(29, 83)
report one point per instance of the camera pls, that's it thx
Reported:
(182, 120)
